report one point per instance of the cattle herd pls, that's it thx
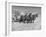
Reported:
(27, 18)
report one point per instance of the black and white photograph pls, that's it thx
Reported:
(22, 18)
(26, 18)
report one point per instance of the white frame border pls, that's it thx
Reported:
(8, 10)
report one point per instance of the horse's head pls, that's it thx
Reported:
(36, 15)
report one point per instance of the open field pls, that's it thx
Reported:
(16, 26)
(30, 26)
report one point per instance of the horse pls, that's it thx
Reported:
(33, 17)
